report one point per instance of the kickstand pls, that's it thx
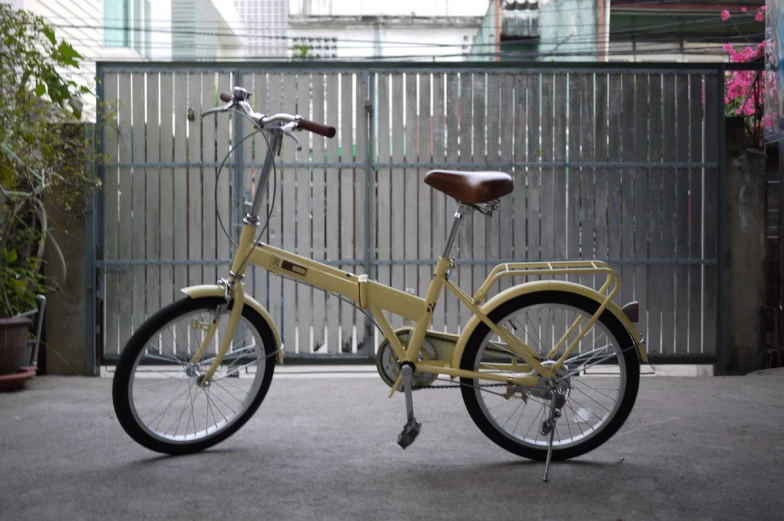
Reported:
(412, 427)
(548, 429)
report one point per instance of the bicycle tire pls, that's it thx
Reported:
(513, 442)
(122, 395)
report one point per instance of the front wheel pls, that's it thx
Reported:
(601, 376)
(156, 392)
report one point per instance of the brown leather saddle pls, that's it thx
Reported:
(471, 187)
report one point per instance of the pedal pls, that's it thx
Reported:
(410, 432)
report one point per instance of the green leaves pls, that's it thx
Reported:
(67, 55)
(42, 153)
(7, 173)
(10, 256)
(49, 33)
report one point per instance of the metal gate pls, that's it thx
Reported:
(611, 161)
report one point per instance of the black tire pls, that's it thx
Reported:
(127, 364)
(627, 361)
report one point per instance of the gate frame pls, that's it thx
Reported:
(96, 264)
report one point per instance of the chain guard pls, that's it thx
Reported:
(388, 365)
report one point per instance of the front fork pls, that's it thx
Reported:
(235, 291)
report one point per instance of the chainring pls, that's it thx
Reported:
(388, 364)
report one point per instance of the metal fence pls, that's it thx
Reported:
(617, 162)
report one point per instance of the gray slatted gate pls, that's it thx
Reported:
(616, 162)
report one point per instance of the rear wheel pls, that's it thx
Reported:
(601, 375)
(156, 391)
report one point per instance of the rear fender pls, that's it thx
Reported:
(548, 285)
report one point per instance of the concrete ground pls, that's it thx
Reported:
(324, 448)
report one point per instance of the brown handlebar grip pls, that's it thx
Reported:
(225, 96)
(317, 128)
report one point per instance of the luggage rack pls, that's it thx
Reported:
(534, 269)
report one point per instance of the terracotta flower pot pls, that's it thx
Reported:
(13, 343)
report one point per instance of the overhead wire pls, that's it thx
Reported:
(646, 34)
(199, 32)
(579, 39)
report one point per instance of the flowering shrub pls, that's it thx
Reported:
(743, 89)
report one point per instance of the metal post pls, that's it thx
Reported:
(369, 216)
(239, 161)
(721, 180)
(237, 191)
(90, 275)
(94, 326)
(454, 231)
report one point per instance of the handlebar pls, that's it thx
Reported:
(317, 128)
(239, 101)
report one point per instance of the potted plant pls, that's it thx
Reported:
(43, 155)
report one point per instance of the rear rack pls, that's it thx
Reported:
(533, 269)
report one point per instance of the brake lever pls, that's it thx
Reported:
(288, 129)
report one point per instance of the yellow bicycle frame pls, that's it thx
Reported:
(377, 298)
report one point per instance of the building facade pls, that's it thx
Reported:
(622, 30)
(265, 25)
(371, 29)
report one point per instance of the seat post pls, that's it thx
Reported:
(454, 232)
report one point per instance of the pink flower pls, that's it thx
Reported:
(725, 15)
(727, 47)
(763, 8)
(742, 9)
(760, 16)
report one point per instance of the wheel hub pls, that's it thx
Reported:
(544, 391)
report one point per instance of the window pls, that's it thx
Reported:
(121, 29)
(116, 23)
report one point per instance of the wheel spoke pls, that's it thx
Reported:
(574, 413)
(598, 390)
(184, 408)
(209, 397)
(173, 398)
(513, 412)
(217, 397)
(593, 399)
(228, 382)
(235, 370)
(586, 408)
(156, 356)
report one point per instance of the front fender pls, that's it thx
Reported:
(213, 290)
(547, 285)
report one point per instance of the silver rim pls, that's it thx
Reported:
(595, 371)
(165, 397)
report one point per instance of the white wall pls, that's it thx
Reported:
(398, 40)
(392, 7)
(161, 37)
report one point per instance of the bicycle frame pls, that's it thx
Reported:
(377, 298)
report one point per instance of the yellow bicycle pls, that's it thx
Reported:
(548, 369)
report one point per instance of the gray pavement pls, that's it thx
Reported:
(324, 449)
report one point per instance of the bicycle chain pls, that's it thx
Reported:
(456, 386)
